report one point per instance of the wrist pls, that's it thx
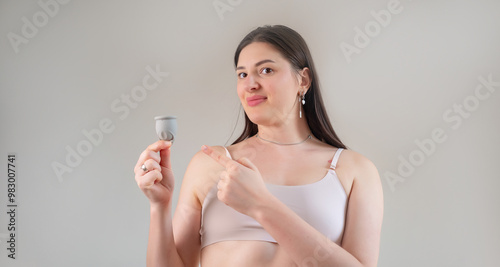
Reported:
(265, 207)
(163, 207)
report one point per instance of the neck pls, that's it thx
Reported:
(293, 132)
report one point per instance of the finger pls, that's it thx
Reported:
(247, 163)
(147, 180)
(159, 145)
(223, 177)
(221, 195)
(219, 185)
(221, 159)
(152, 152)
(164, 148)
(165, 158)
(152, 165)
(145, 155)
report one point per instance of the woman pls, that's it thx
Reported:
(287, 192)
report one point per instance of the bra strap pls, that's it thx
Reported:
(227, 153)
(336, 158)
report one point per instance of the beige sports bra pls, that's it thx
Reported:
(322, 204)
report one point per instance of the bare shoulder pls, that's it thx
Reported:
(200, 159)
(203, 172)
(359, 167)
(201, 162)
(356, 161)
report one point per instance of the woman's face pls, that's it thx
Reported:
(267, 85)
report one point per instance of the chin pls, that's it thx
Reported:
(257, 118)
(260, 119)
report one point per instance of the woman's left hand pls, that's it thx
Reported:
(241, 186)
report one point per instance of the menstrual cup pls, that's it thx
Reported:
(166, 127)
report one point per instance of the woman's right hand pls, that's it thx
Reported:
(157, 183)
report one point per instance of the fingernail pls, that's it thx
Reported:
(204, 147)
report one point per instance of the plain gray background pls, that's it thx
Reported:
(415, 78)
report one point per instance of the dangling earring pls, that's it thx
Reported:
(303, 101)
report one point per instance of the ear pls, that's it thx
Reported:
(305, 79)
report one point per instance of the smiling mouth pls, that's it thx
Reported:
(255, 101)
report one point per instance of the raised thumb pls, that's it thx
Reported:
(247, 163)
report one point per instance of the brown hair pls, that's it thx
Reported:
(293, 47)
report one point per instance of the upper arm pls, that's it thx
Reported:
(187, 217)
(364, 213)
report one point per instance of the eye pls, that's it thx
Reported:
(266, 70)
(242, 75)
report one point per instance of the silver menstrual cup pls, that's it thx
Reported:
(166, 127)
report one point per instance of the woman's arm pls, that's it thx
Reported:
(162, 250)
(242, 188)
(361, 240)
(198, 178)
(171, 242)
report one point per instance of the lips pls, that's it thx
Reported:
(253, 101)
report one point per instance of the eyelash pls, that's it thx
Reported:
(261, 71)
(270, 70)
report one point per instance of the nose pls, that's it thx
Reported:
(251, 83)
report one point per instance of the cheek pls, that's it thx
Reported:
(239, 90)
(284, 91)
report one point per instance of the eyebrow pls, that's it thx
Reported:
(258, 63)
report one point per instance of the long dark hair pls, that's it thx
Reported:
(293, 47)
